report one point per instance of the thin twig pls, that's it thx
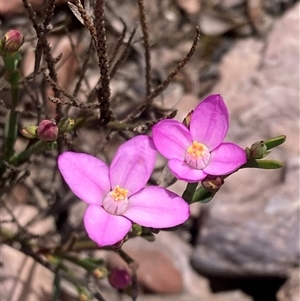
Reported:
(75, 104)
(167, 81)
(123, 55)
(49, 14)
(83, 69)
(54, 85)
(120, 41)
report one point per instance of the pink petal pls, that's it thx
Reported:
(133, 164)
(104, 228)
(171, 138)
(184, 172)
(157, 207)
(210, 122)
(86, 176)
(225, 159)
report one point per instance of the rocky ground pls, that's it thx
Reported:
(242, 246)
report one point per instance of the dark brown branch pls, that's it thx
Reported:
(88, 23)
(146, 45)
(87, 106)
(55, 86)
(103, 92)
(49, 14)
(43, 43)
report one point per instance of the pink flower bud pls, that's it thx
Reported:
(12, 41)
(47, 130)
(119, 278)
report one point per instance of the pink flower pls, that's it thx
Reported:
(117, 195)
(199, 150)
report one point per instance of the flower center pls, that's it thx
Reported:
(116, 201)
(197, 155)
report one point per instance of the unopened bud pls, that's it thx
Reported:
(212, 183)
(12, 41)
(119, 278)
(84, 294)
(99, 273)
(136, 230)
(187, 119)
(30, 131)
(47, 130)
(83, 297)
(258, 150)
(66, 125)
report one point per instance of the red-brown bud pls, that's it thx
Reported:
(212, 183)
(47, 130)
(12, 41)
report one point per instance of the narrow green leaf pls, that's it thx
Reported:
(56, 288)
(264, 164)
(273, 142)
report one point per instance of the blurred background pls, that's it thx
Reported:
(242, 246)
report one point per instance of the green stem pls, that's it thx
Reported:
(11, 126)
(204, 196)
(125, 257)
(37, 147)
(82, 263)
(11, 132)
(189, 192)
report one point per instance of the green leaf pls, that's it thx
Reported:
(265, 164)
(94, 261)
(273, 142)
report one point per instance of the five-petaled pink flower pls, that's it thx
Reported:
(118, 195)
(199, 150)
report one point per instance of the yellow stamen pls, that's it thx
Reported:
(196, 149)
(119, 193)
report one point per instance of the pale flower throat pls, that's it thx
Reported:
(116, 201)
(197, 155)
